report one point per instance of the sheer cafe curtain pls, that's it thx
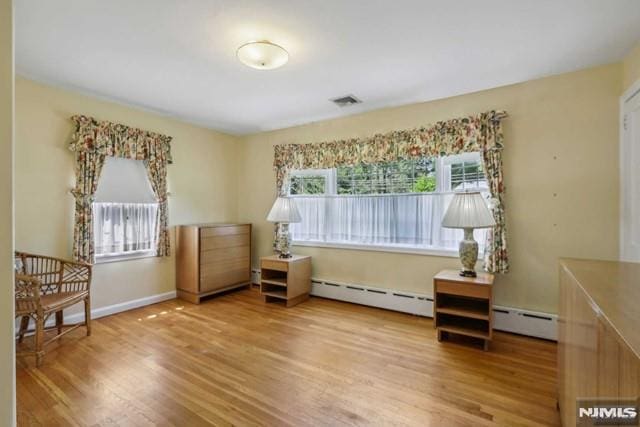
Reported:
(406, 220)
(124, 227)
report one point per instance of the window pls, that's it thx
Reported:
(403, 176)
(313, 181)
(395, 205)
(125, 212)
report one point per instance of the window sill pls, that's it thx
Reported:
(106, 259)
(449, 253)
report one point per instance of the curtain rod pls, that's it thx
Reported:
(71, 192)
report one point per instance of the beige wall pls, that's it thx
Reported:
(201, 182)
(561, 171)
(7, 364)
(631, 67)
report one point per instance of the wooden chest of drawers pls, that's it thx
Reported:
(212, 258)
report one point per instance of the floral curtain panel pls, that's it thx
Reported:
(156, 165)
(480, 132)
(88, 167)
(496, 259)
(92, 142)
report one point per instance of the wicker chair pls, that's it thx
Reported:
(44, 286)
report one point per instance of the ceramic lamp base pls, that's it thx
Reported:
(468, 251)
(283, 240)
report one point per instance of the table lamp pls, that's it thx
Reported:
(468, 211)
(284, 212)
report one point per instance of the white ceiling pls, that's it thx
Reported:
(177, 57)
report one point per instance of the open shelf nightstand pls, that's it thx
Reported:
(285, 279)
(463, 305)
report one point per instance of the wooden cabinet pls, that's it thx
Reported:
(630, 176)
(463, 305)
(212, 258)
(285, 279)
(598, 333)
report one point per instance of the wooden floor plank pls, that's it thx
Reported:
(234, 360)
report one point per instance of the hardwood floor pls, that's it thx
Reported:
(235, 361)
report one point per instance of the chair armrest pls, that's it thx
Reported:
(76, 276)
(27, 295)
(27, 287)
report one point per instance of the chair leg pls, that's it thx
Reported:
(87, 315)
(59, 320)
(39, 339)
(24, 325)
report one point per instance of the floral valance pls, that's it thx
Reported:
(117, 140)
(481, 132)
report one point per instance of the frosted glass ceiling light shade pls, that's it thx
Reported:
(262, 55)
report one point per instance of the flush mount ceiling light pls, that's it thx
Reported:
(262, 55)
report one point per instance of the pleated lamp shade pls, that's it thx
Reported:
(468, 210)
(284, 210)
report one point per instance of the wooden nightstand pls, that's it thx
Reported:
(287, 279)
(463, 305)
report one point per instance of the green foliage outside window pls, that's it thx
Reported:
(307, 185)
(399, 177)
(387, 178)
(425, 184)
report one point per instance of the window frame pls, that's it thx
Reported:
(403, 249)
(125, 256)
(463, 158)
(331, 178)
(330, 182)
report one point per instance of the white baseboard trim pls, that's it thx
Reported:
(97, 313)
(123, 306)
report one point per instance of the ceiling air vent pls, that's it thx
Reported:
(345, 101)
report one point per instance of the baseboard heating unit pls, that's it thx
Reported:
(524, 322)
